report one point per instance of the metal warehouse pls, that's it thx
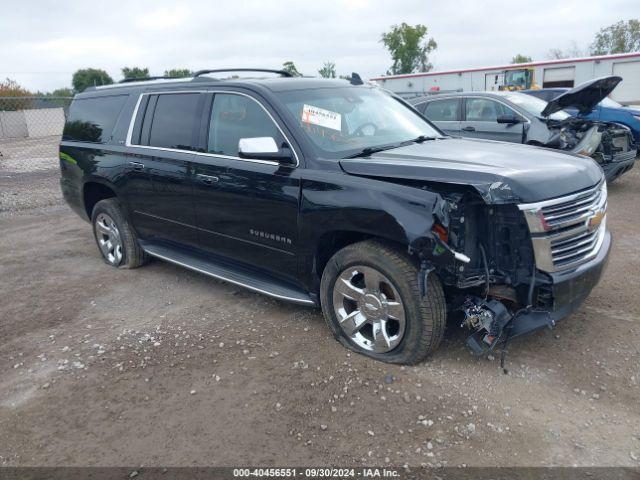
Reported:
(551, 73)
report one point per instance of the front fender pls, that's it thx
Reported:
(342, 203)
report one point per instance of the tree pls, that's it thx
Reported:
(328, 70)
(61, 92)
(290, 67)
(621, 37)
(409, 48)
(11, 88)
(572, 52)
(89, 77)
(59, 96)
(178, 72)
(519, 58)
(135, 72)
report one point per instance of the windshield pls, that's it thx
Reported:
(607, 102)
(534, 105)
(518, 78)
(343, 121)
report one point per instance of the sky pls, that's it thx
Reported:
(44, 42)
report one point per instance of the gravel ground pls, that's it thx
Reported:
(162, 366)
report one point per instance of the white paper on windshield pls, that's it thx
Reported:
(321, 117)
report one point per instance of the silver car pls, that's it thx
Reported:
(521, 118)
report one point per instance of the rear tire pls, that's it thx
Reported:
(115, 236)
(371, 301)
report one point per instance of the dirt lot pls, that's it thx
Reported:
(162, 366)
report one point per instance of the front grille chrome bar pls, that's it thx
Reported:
(567, 231)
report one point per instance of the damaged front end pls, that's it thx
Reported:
(610, 145)
(512, 269)
(491, 321)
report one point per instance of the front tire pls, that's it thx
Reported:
(371, 301)
(115, 236)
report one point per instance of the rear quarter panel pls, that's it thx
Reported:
(81, 163)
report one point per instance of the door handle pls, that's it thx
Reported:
(208, 179)
(469, 129)
(137, 165)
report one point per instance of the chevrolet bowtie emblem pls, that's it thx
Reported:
(595, 220)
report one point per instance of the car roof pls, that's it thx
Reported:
(430, 98)
(549, 89)
(275, 84)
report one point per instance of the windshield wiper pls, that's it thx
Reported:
(365, 152)
(423, 138)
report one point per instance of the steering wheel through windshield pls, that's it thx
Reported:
(367, 129)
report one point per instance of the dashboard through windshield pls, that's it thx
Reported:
(342, 121)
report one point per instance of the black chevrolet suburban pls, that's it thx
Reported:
(337, 194)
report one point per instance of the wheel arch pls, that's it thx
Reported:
(331, 242)
(94, 190)
(399, 215)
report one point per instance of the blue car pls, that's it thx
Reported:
(606, 111)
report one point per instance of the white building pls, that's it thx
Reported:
(552, 73)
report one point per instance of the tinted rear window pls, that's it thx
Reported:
(174, 121)
(93, 119)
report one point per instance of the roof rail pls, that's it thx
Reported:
(282, 73)
(159, 77)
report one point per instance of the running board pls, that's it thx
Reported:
(224, 270)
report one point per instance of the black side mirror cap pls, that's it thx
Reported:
(510, 119)
(284, 156)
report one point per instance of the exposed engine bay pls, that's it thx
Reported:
(498, 294)
(604, 142)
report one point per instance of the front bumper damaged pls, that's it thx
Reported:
(620, 165)
(566, 291)
(569, 289)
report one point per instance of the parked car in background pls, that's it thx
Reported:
(521, 118)
(607, 110)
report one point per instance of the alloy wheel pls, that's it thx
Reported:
(109, 239)
(369, 309)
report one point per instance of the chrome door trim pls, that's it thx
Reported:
(206, 154)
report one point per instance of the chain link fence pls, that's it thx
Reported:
(30, 130)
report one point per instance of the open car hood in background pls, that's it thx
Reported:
(584, 97)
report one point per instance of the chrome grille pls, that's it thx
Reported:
(567, 231)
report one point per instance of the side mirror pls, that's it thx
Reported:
(265, 148)
(509, 119)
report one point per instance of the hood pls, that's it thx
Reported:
(501, 172)
(633, 110)
(584, 97)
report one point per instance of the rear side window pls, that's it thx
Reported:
(93, 119)
(174, 121)
(445, 110)
(234, 117)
